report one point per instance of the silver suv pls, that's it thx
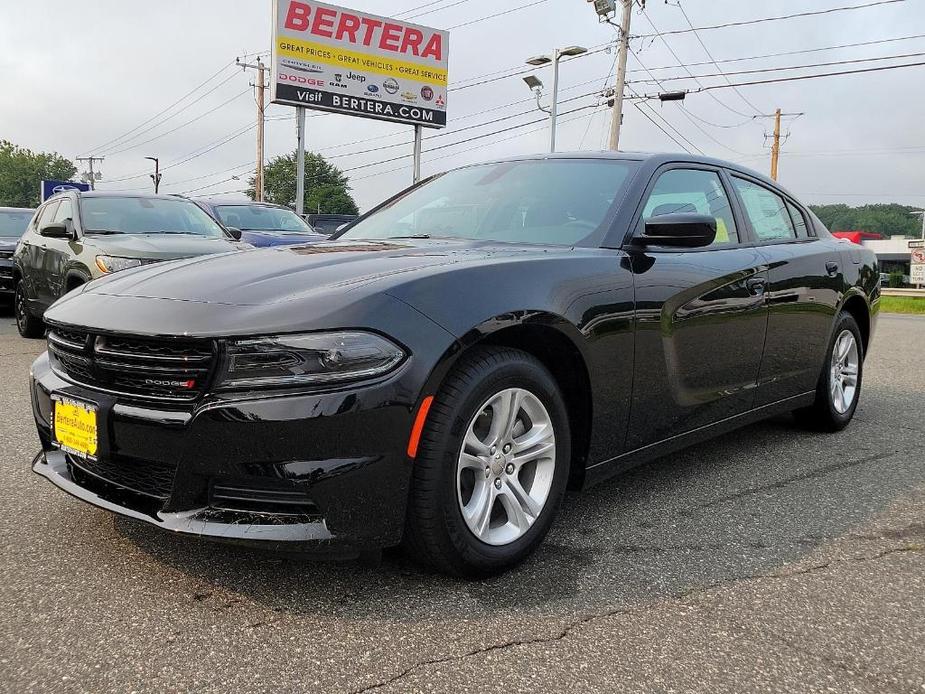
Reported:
(75, 237)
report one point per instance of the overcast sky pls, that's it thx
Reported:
(75, 75)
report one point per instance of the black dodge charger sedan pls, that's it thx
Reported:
(442, 371)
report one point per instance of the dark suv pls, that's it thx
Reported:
(13, 222)
(75, 237)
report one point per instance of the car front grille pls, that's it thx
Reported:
(159, 368)
(140, 476)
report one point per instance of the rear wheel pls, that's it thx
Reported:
(492, 465)
(839, 387)
(27, 324)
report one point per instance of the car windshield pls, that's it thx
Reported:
(261, 218)
(125, 215)
(552, 201)
(13, 223)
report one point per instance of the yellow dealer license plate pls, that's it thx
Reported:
(75, 427)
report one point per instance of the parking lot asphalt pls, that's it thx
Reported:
(771, 559)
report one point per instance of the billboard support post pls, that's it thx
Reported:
(418, 144)
(300, 160)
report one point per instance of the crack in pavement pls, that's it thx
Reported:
(566, 630)
(860, 673)
(780, 484)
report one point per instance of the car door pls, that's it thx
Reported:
(803, 289)
(33, 264)
(700, 313)
(58, 254)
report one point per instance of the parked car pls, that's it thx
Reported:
(13, 223)
(442, 371)
(329, 223)
(76, 236)
(261, 223)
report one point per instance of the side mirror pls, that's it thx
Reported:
(678, 230)
(235, 233)
(58, 230)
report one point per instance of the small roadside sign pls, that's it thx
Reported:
(917, 267)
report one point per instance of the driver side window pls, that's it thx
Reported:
(694, 191)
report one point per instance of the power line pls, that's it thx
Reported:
(183, 125)
(688, 116)
(499, 14)
(686, 68)
(713, 60)
(796, 78)
(854, 61)
(171, 116)
(781, 54)
(156, 115)
(761, 20)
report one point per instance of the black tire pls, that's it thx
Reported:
(28, 325)
(435, 532)
(823, 415)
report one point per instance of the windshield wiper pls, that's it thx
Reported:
(410, 236)
(104, 232)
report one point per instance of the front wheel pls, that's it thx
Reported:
(27, 324)
(492, 465)
(839, 387)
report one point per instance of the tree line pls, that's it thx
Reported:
(889, 219)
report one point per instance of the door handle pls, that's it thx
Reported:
(832, 268)
(757, 285)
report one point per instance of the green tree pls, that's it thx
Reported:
(21, 173)
(327, 188)
(890, 219)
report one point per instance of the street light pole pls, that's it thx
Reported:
(554, 109)
(156, 176)
(537, 86)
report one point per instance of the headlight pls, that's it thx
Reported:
(312, 358)
(108, 263)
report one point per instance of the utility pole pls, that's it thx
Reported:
(300, 160)
(156, 176)
(775, 148)
(622, 52)
(91, 176)
(261, 112)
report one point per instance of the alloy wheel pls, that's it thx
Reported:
(506, 466)
(20, 308)
(845, 368)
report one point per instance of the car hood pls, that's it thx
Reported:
(263, 237)
(8, 244)
(161, 246)
(331, 284)
(289, 273)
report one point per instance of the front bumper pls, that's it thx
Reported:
(322, 472)
(6, 278)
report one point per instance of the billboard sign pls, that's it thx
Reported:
(49, 188)
(334, 59)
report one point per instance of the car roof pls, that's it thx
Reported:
(654, 159)
(112, 194)
(215, 202)
(17, 209)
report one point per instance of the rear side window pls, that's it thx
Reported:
(799, 221)
(766, 211)
(696, 191)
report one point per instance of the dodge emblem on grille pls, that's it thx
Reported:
(170, 384)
